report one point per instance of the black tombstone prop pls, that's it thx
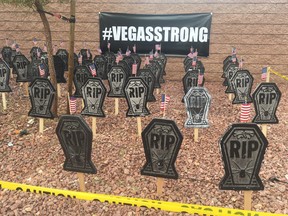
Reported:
(137, 59)
(161, 140)
(33, 53)
(59, 65)
(227, 61)
(136, 92)
(266, 98)
(160, 62)
(229, 73)
(130, 61)
(93, 93)
(149, 78)
(85, 59)
(242, 83)
(4, 76)
(21, 63)
(164, 60)
(190, 80)
(41, 93)
(64, 55)
(243, 148)
(7, 55)
(125, 66)
(155, 67)
(111, 59)
(33, 69)
(101, 65)
(197, 103)
(117, 78)
(81, 74)
(75, 138)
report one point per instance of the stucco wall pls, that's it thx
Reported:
(258, 29)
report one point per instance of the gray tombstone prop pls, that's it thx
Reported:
(33, 53)
(93, 93)
(136, 92)
(164, 60)
(41, 93)
(243, 147)
(21, 63)
(64, 55)
(117, 78)
(155, 67)
(190, 80)
(161, 79)
(7, 55)
(197, 102)
(4, 76)
(81, 74)
(266, 98)
(227, 61)
(111, 59)
(229, 73)
(101, 65)
(75, 138)
(242, 83)
(137, 59)
(162, 140)
(149, 78)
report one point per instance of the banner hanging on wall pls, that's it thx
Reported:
(175, 33)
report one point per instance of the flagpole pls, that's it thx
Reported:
(196, 134)
(4, 101)
(94, 126)
(139, 127)
(116, 106)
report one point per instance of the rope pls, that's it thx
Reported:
(278, 74)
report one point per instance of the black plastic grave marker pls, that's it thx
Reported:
(229, 73)
(161, 140)
(117, 78)
(243, 147)
(20, 63)
(164, 60)
(136, 92)
(101, 65)
(242, 83)
(85, 59)
(155, 67)
(125, 66)
(81, 74)
(64, 55)
(110, 58)
(33, 53)
(161, 79)
(149, 78)
(93, 93)
(7, 55)
(41, 93)
(266, 98)
(59, 69)
(189, 80)
(130, 61)
(197, 103)
(4, 76)
(137, 59)
(33, 69)
(227, 61)
(75, 138)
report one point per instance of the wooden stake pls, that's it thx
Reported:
(41, 125)
(230, 96)
(58, 90)
(160, 184)
(247, 200)
(116, 106)
(81, 181)
(26, 91)
(268, 75)
(11, 73)
(139, 126)
(196, 134)
(94, 126)
(4, 101)
(264, 129)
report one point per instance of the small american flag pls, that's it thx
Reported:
(245, 112)
(80, 58)
(108, 46)
(164, 101)
(190, 55)
(134, 48)
(200, 79)
(158, 47)
(264, 73)
(194, 61)
(34, 40)
(73, 104)
(151, 54)
(128, 52)
(119, 54)
(17, 48)
(195, 54)
(147, 60)
(156, 54)
(234, 58)
(41, 70)
(233, 50)
(134, 68)
(93, 70)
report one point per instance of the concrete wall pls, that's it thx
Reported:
(257, 28)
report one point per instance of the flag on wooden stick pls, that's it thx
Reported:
(93, 70)
(41, 70)
(164, 101)
(245, 112)
(264, 73)
(72, 104)
(134, 68)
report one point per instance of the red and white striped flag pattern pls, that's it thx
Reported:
(41, 70)
(200, 79)
(245, 112)
(73, 104)
(264, 73)
(158, 47)
(93, 70)
(134, 69)
(164, 101)
(194, 61)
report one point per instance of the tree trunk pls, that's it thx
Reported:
(71, 50)
(48, 37)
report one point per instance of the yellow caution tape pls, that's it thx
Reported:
(278, 74)
(139, 202)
